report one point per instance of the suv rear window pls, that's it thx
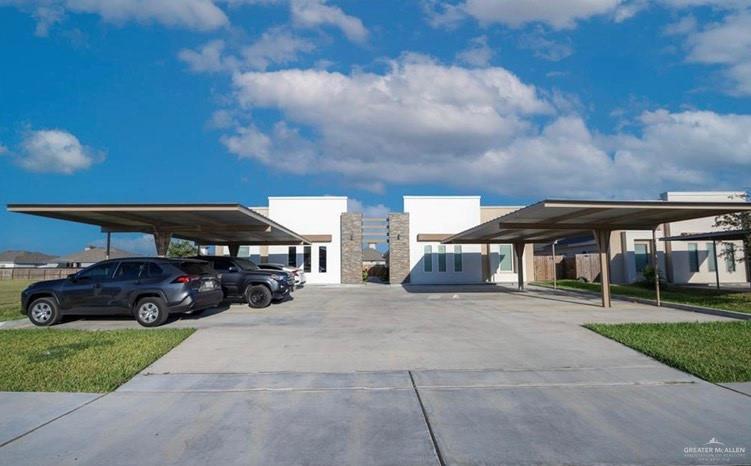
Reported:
(195, 268)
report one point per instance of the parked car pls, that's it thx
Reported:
(297, 273)
(241, 278)
(148, 288)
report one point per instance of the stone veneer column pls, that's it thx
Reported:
(351, 229)
(399, 248)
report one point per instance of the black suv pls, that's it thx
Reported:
(147, 288)
(241, 278)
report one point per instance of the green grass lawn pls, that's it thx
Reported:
(714, 351)
(706, 297)
(49, 360)
(10, 298)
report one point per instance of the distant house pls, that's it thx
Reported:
(91, 255)
(372, 257)
(14, 259)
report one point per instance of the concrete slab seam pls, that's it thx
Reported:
(52, 420)
(433, 440)
(557, 385)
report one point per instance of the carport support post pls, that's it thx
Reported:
(656, 265)
(109, 241)
(603, 245)
(519, 251)
(716, 265)
(162, 240)
(234, 249)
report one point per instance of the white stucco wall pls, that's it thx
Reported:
(318, 215)
(679, 257)
(446, 215)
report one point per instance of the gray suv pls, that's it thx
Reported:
(148, 288)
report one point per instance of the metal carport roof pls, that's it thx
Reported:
(553, 219)
(221, 224)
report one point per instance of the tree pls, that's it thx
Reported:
(739, 221)
(180, 248)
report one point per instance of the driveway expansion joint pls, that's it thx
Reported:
(433, 440)
(17, 437)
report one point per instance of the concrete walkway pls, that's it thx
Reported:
(380, 375)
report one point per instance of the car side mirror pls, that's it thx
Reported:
(73, 277)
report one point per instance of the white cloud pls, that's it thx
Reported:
(55, 151)
(726, 44)
(221, 119)
(702, 141)
(273, 47)
(202, 15)
(418, 109)
(208, 58)
(314, 13)
(559, 14)
(484, 129)
(440, 14)
(545, 48)
(367, 210)
(3, 150)
(478, 53)
(719, 4)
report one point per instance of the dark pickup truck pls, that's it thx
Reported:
(242, 279)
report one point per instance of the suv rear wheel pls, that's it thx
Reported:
(258, 296)
(44, 312)
(150, 312)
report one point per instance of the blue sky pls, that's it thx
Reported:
(237, 100)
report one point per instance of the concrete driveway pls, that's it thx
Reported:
(384, 375)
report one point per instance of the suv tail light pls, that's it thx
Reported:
(183, 279)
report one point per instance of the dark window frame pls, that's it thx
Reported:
(322, 259)
(307, 259)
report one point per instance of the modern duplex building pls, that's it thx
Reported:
(417, 256)
(319, 220)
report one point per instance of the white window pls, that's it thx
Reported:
(427, 259)
(458, 258)
(505, 258)
(711, 257)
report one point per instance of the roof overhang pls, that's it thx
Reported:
(732, 235)
(553, 219)
(219, 224)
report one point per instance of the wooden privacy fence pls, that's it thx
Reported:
(586, 266)
(31, 273)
